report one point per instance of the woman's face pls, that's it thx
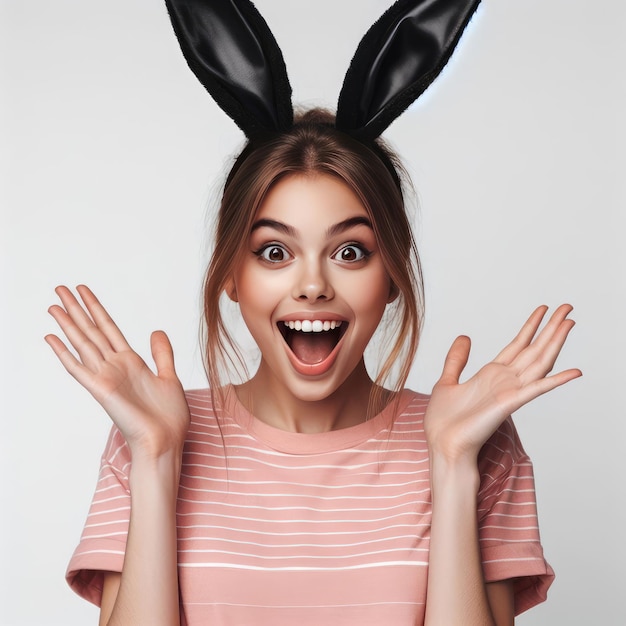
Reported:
(312, 287)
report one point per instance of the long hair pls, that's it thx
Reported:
(375, 175)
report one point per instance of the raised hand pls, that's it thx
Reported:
(149, 409)
(462, 416)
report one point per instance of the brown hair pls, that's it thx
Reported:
(374, 173)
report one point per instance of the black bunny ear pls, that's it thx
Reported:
(397, 59)
(233, 53)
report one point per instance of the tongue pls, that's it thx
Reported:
(312, 348)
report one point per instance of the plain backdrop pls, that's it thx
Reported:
(112, 156)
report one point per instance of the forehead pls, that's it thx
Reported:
(309, 201)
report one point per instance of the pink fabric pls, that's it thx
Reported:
(282, 528)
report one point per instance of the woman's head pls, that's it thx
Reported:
(312, 148)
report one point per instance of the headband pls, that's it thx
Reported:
(231, 50)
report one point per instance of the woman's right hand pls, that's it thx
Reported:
(149, 409)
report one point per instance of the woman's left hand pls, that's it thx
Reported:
(462, 416)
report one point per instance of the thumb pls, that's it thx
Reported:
(456, 360)
(162, 354)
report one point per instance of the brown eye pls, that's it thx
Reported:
(350, 254)
(274, 254)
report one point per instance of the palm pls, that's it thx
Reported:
(149, 409)
(139, 400)
(462, 416)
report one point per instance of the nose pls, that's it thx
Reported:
(312, 283)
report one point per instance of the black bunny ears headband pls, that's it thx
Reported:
(233, 53)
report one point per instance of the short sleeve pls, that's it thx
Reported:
(507, 519)
(103, 541)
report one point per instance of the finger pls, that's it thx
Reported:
(456, 360)
(544, 385)
(553, 324)
(88, 352)
(546, 357)
(162, 354)
(85, 323)
(557, 327)
(102, 319)
(69, 361)
(523, 338)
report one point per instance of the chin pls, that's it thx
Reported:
(312, 391)
(320, 389)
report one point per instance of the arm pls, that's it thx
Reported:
(148, 585)
(457, 593)
(459, 420)
(147, 589)
(110, 588)
(151, 412)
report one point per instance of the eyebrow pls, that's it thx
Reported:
(335, 229)
(341, 227)
(276, 225)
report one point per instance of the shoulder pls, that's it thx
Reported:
(411, 403)
(116, 457)
(206, 407)
(502, 450)
(200, 401)
(505, 469)
(404, 415)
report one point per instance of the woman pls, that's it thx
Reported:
(314, 245)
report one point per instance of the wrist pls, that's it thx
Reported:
(453, 473)
(164, 469)
(157, 447)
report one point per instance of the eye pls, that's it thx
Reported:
(273, 253)
(351, 253)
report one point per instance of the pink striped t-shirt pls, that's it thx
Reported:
(285, 528)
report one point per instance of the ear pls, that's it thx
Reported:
(394, 292)
(231, 290)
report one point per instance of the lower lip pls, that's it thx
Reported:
(314, 369)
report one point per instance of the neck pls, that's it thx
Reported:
(276, 404)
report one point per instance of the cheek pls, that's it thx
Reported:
(258, 289)
(369, 293)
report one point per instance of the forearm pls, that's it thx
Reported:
(456, 589)
(148, 591)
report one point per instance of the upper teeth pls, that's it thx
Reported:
(312, 326)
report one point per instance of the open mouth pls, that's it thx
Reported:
(312, 341)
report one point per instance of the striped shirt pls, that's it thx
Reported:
(279, 528)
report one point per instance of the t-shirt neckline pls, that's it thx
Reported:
(313, 443)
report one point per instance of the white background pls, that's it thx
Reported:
(111, 153)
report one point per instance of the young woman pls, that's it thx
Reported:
(311, 492)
